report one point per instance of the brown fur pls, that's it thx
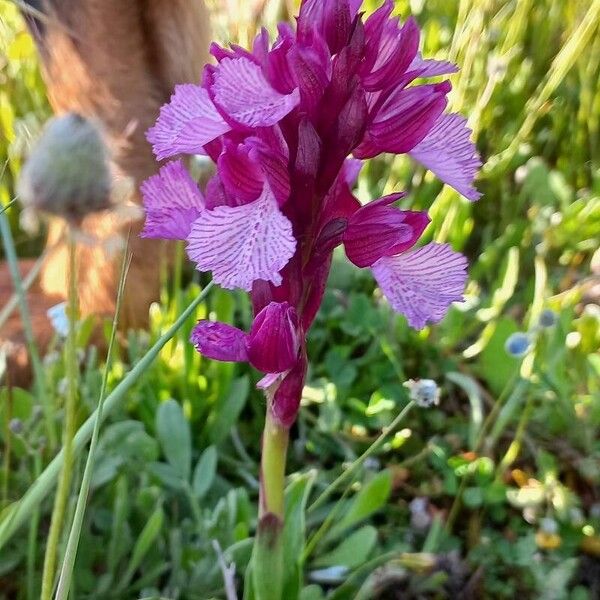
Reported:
(115, 61)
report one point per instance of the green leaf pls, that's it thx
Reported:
(373, 496)
(204, 473)
(353, 550)
(312, 592)
(167, 475)
(174, 435)
(225, 414)
(473, 391)
(294, 533)
(473, 497)
(495, 365)
(143, 544)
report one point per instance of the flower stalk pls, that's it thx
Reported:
(267, 563)
(70, 427)
(274, 452)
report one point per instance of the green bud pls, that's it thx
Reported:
(67, 173)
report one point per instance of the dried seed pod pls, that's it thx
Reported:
(67, 173)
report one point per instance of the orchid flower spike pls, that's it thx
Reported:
(288, 125)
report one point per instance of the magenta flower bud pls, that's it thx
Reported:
(274, 339)
(219, 341)
(286, 401)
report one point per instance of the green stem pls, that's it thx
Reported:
(267, 559)
(7, 205)
(33, 536)
(374, 447)
(21, 511)
(36, 363)
(66, 572)
(64, 482)
(274, 451)
(515, 446)
(26, 283)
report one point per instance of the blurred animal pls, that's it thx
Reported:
(116, 62)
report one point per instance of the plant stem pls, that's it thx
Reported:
(374, 447)
(274, 451)
(33, 536)
(267, 558)
(34, 356)
(66, 572)
(64, 482)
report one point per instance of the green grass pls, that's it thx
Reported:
(507, 465)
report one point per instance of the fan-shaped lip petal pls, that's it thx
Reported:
(220, 341)
(243, 244)
(448, 151)
(242, 92)
(378, 229)
(172, 202)
(421, 284)
(187, 123)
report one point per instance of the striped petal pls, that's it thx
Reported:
(403, 120)
(187, 123)
(448, 151)
(172, 202)
(244, 94)
(220, 341)
(379, 229)
(422, 284)
(429, 67)
(243, 244)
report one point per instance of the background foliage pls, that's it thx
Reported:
(493, 494)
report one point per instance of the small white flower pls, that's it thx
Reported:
(425, 392)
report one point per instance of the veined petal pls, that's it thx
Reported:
(187, 123)
(242, 244)
(422, 284)
(272, 157)
(331, 18)
(274, 340)
(448, 151)
(219, 341)
(172, 202)
(378, 229)
(398, 48)
(243, 93)
(403, 120)
(310, 77)
(429, 67)
(241, 176)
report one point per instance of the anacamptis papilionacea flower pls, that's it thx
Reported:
(288, 126)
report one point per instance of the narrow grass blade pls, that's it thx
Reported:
(34, 356)
(22, 511)
(64, 582)
(7, 206)
(349, 472)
